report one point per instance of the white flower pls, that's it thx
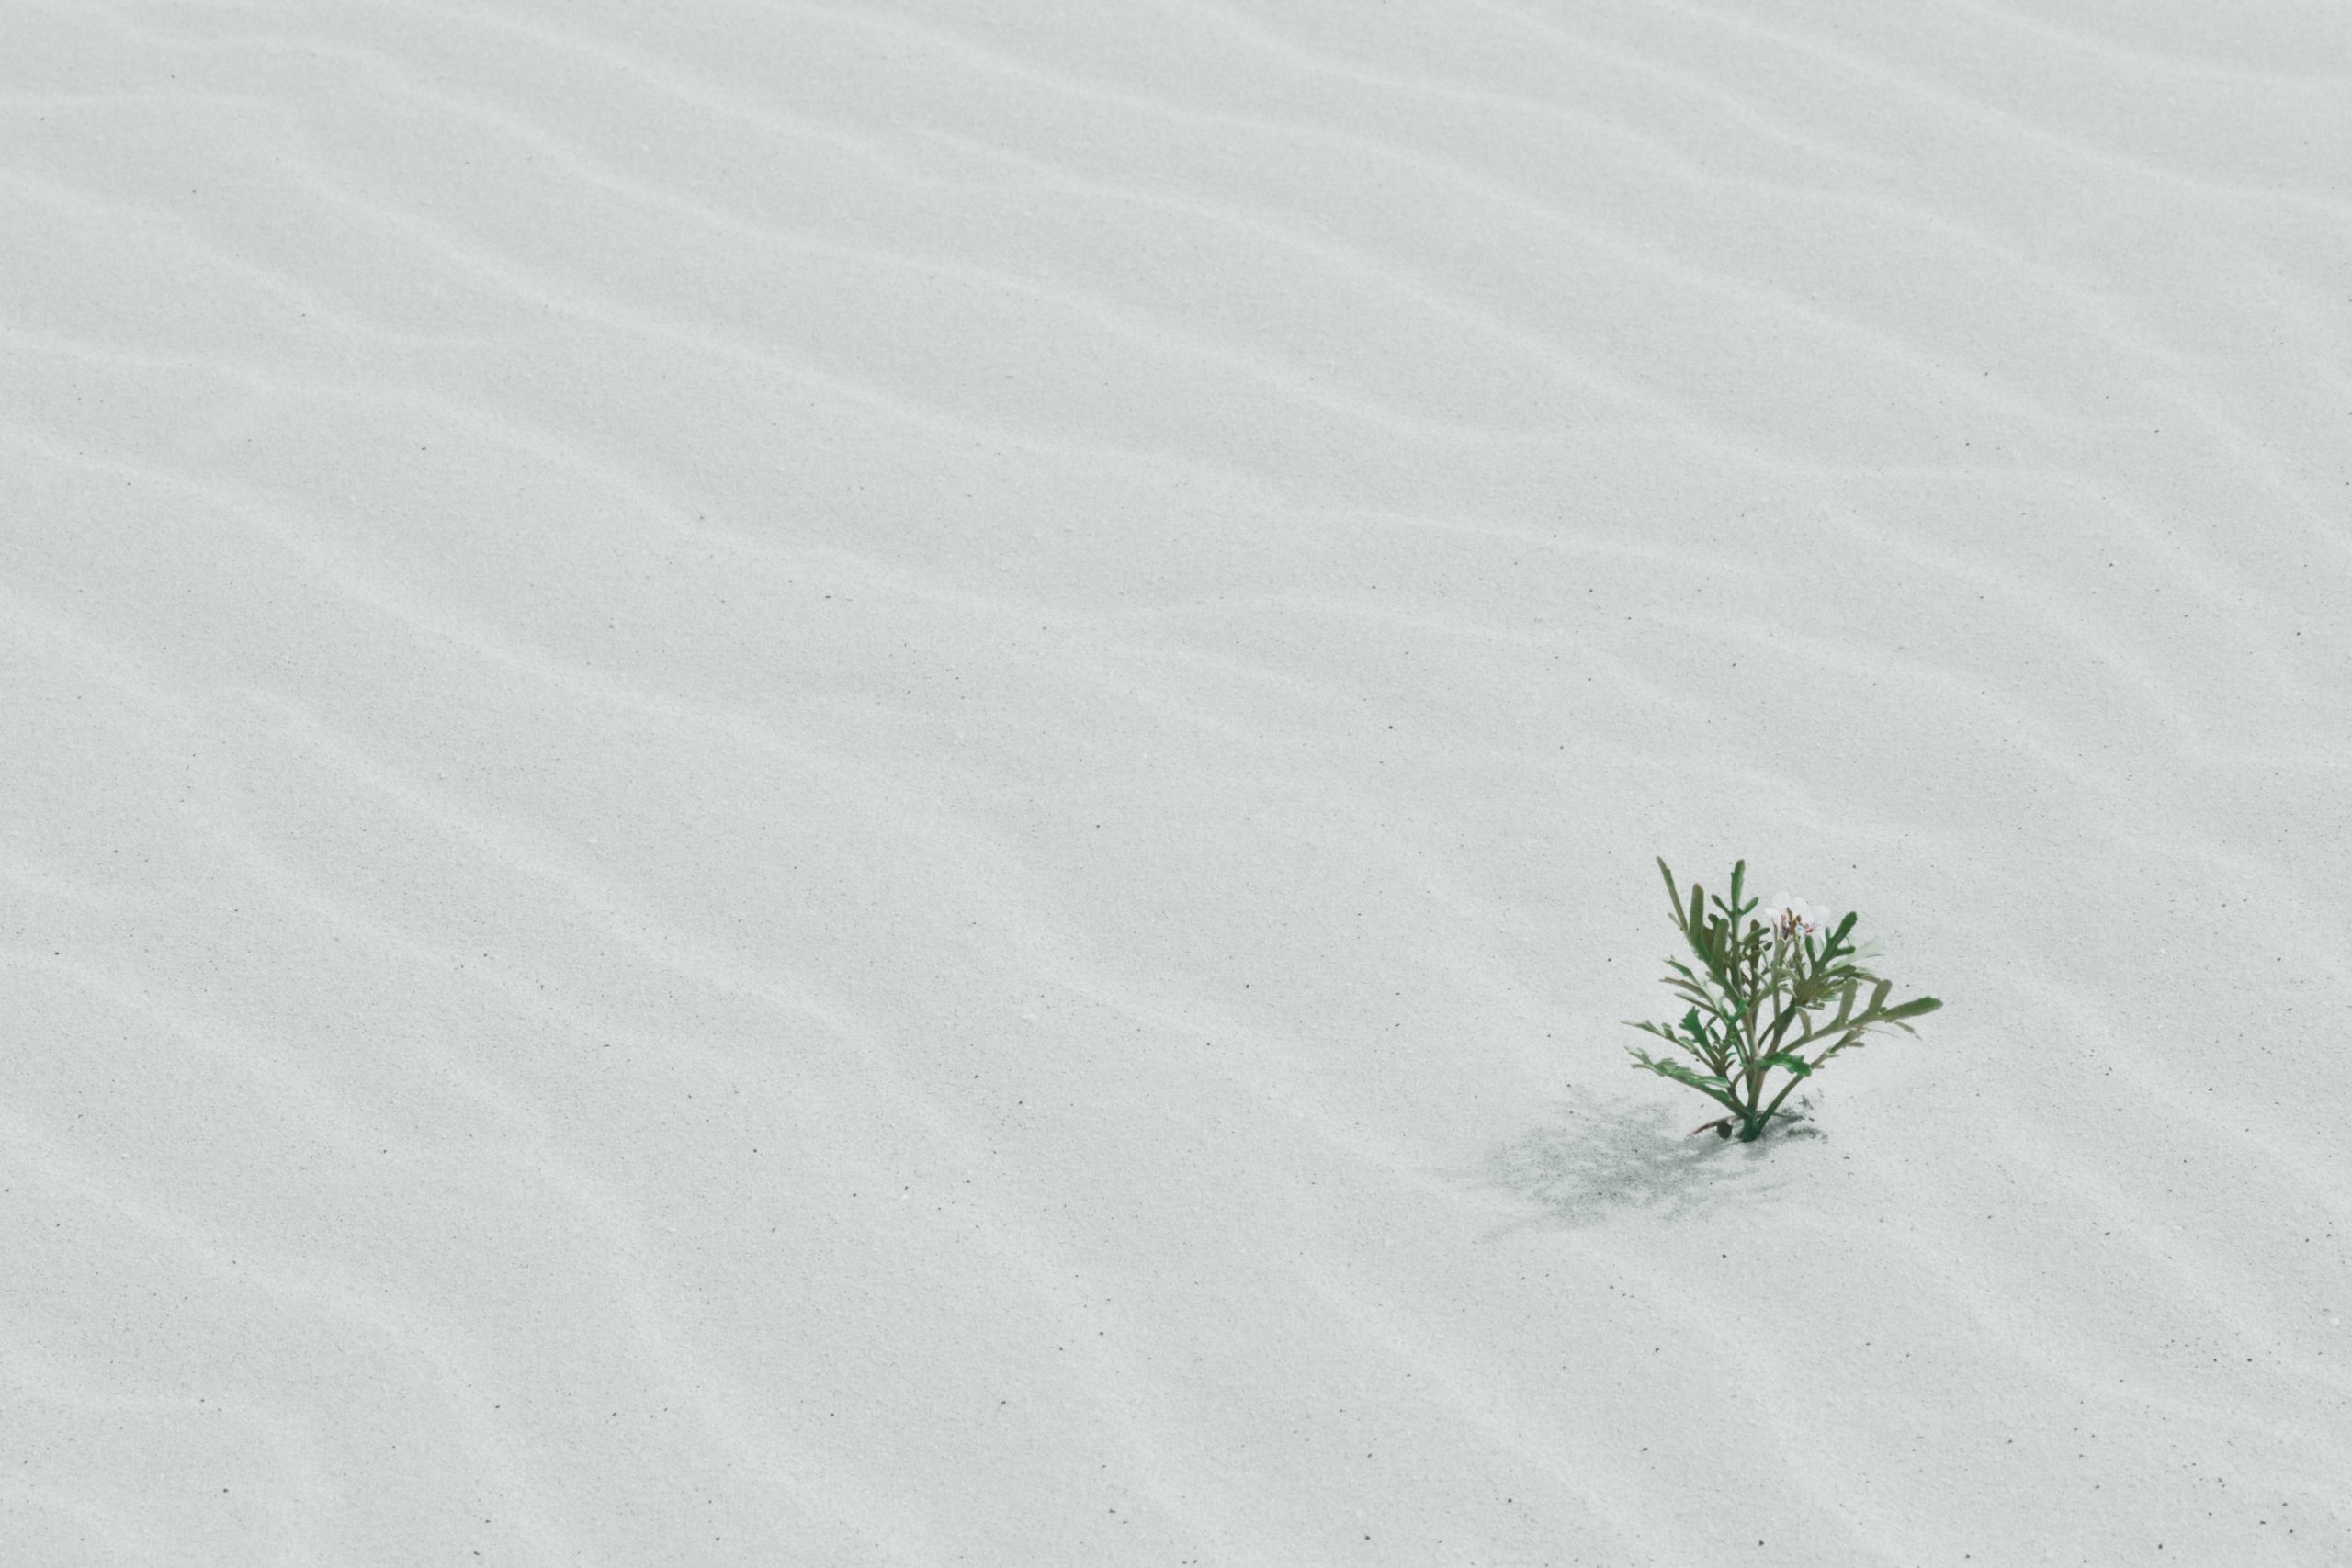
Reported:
(1789, 915)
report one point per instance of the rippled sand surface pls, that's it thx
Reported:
(877, 784)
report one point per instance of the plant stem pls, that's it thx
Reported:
(1752, 1074)
(1775, 1106)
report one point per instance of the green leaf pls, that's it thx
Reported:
(1796, 1065)
(1913, 1007)
(1667, 1034)
(1714, 1088)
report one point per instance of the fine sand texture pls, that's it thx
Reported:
(877, 784)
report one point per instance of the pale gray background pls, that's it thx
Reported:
(875, 783)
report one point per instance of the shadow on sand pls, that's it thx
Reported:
(1595, 1158)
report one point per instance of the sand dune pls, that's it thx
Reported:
(876, 784)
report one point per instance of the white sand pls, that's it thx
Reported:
(875, 783)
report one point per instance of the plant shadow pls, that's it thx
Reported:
(1600, 1158)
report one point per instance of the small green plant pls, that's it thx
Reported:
(1754, 1011)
